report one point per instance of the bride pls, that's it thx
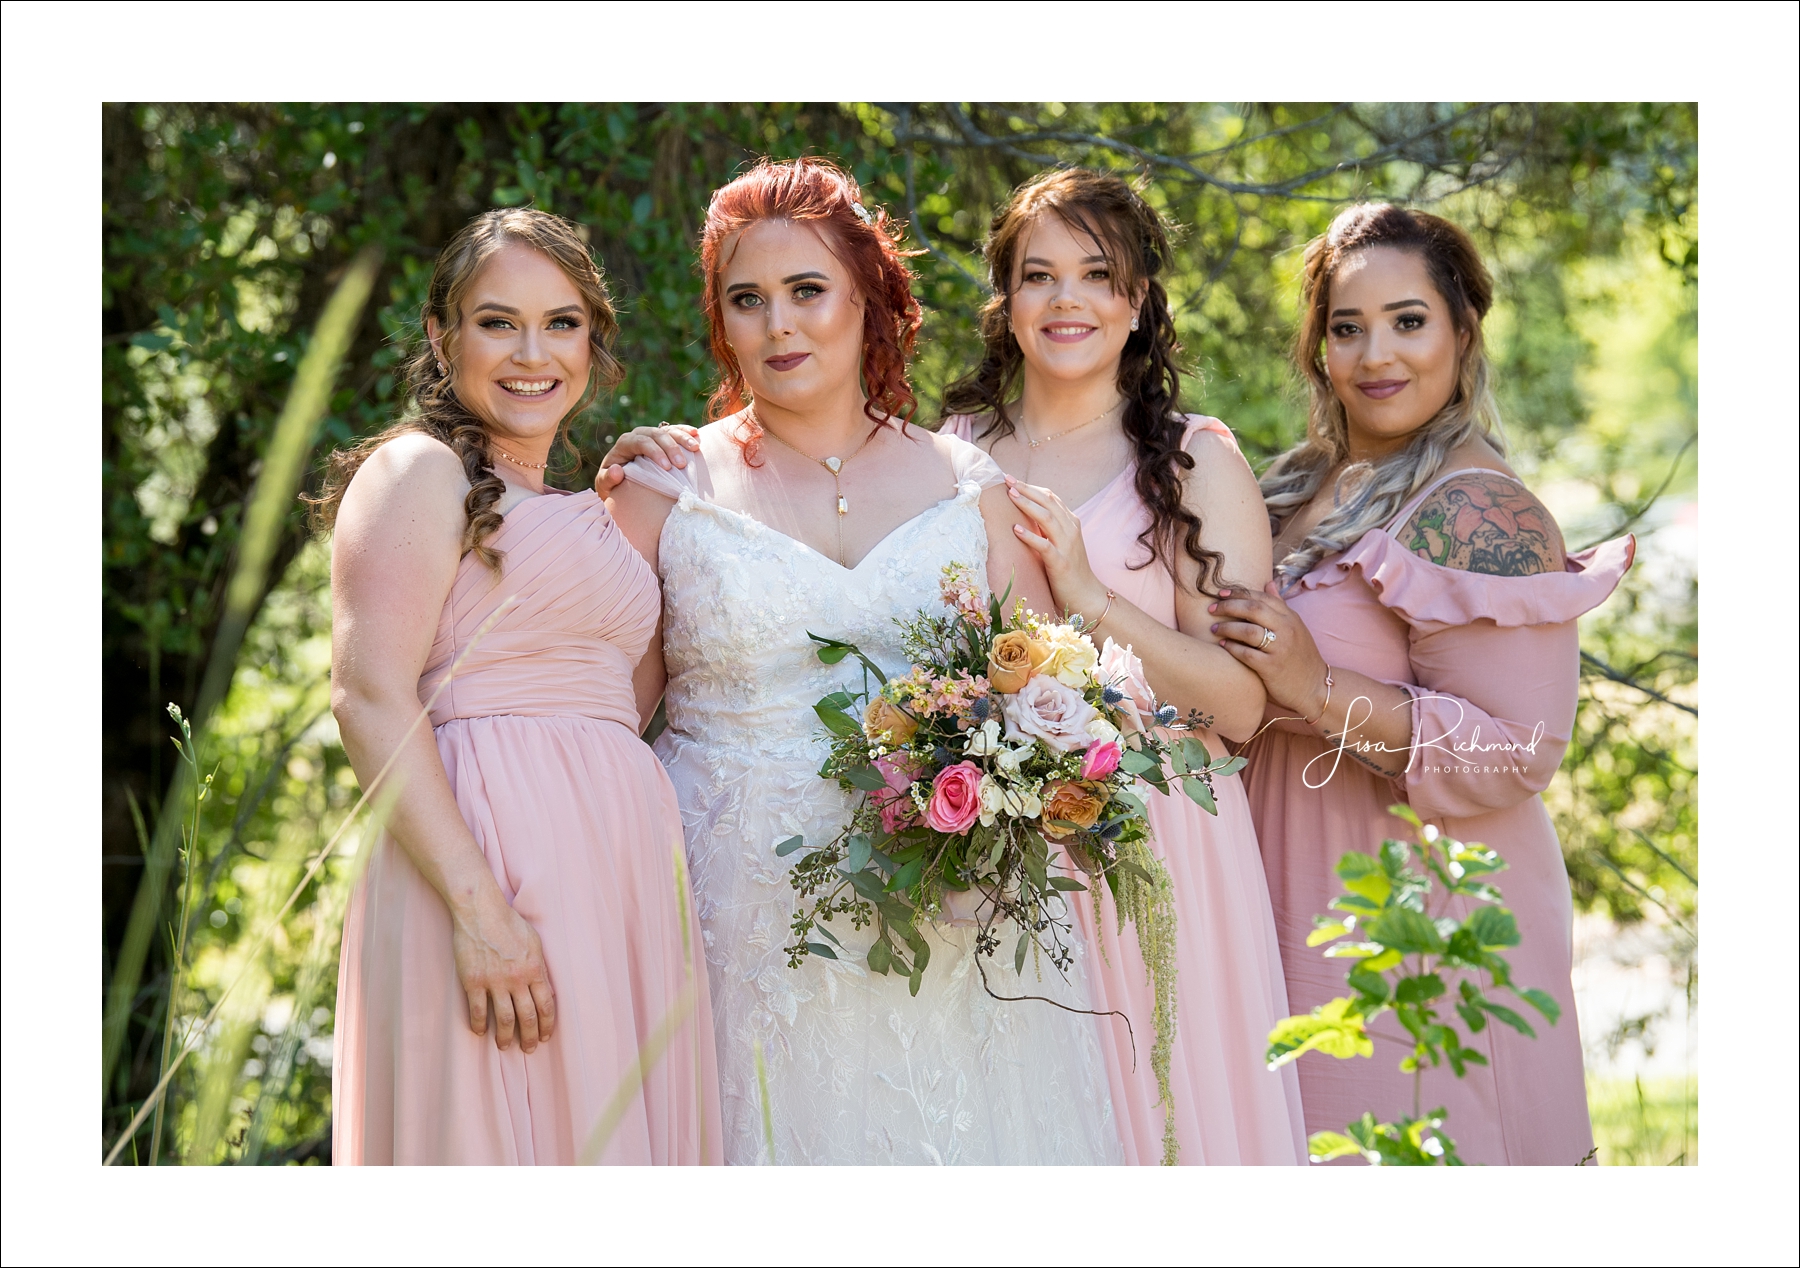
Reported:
(815, 510)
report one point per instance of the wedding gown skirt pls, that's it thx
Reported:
(856, 1069)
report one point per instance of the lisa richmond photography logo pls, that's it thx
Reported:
(1443, 754)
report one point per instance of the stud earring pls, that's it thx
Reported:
(1134, 323)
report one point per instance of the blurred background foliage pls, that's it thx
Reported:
(226, 226)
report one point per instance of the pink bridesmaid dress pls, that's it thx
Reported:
(538, 730)
(1228, 1109)
(1489, 661)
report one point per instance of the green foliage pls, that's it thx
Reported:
(1399, 962)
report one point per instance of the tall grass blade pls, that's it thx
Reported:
(268, 931)
(270, 500)
(762, 1092)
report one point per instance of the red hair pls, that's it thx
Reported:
(820, 193)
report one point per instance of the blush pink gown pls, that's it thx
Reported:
(1487, 660)
(1228, 1109)
(538, 731)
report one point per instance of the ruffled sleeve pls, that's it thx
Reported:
(671, 484)
(969, 463)
(1496, 665)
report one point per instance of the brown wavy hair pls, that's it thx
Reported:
(1369, 494)
(431, 403)
(819, 193)
(1136, 244)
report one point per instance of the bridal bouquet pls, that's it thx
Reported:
(998, 777)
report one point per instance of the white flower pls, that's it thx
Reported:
(1100, 731)
(1010, 759)
(1073, 660)
(993, 800)
(1049, 710)
(984, 741)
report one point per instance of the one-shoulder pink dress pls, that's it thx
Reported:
(1228, 1108)
(1492, 664)
(538, 730)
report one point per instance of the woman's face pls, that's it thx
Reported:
(792, 316)
(1068, 320)
(1391, 348)
(520, 359)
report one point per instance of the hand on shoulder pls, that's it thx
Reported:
(1486, 522)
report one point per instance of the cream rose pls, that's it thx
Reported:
(1072, 660)
(1049, 711)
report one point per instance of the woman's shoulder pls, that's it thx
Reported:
(1480, 517)
(967, 462)
(413, 465)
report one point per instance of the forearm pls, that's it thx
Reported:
(1370, 721)
(1192, 675)
(424, 817)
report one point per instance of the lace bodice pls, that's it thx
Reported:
(858, 1071)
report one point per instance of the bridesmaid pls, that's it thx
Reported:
(1077, 399)
(523, 941)
(1419, 645)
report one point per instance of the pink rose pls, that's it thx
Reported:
(1101, 760)
(1124, 672)
(955, 798)
(1044, 709)
(896, 804)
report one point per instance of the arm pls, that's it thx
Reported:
(1010, 561)
(640, 514)
(1184, 666)
(394, 559)
(667, 446)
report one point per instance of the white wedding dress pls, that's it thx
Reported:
(857, 1070)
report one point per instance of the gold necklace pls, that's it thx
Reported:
(529, 466)
(835, 466)
(1031, 446)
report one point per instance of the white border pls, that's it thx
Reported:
(61, 61)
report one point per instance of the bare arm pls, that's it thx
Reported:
(394, 558)
(640, 515)
(1010, 561)
(1185, 666)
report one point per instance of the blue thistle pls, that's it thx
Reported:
(1111, 695)
(1165, 715)
(980, 710)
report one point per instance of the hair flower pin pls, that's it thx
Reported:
(862, 213)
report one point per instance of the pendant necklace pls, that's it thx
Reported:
(835, 466)
(1031, 446)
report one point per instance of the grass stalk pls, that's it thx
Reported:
(307, 402)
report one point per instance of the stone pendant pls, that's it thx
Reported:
(833, 465)
(843, 506)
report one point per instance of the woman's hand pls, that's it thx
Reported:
(1059, 545)
(499, 957)
(1265, 634)
(667, 445)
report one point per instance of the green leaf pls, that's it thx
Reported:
(1364, 876)
(868, 885)
(1067, 884)
(1334, 1028)
(1200, 794)
(1511, 1018)
(1406, 813)
(1229, 766)
(880, 957)
(1324, 1146)
(1328, 932)
(152, 342)
(908, 874)
(866, 778)
(1542, 1002)
(860, 850)
(1405, 931)
(787, 847)
(819, 948)
(1372, 986)
(1193, 754)
(836, 720)
(1416, 990)
(1136, 762)
(1019, 952)
(912, 982)
(1493, 928)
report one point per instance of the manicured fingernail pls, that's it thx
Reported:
(1212, 607)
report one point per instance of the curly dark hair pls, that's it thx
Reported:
(1135, 240)
(820, 193)
(432, 405)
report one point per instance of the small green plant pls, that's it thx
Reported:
(1399, 958)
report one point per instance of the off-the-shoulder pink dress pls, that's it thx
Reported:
(1492, 664)
(538, 730)
(1228, 1109)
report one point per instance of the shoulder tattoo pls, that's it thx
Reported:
(1488, 523)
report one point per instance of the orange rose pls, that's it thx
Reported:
(887, 723)
(1011, 662)
(1072, 802)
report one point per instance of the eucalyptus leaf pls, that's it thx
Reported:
(859, 852)
(1019, 952)
(866, 778)
(1068, 884)
(1200, 794)
(787, 847)
(819, 948)
(879, 956)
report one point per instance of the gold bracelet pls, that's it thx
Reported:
(1314, 721)
(1089, 629)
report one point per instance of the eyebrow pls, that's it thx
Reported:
(789, 280)
(1386, 308)
(1086, 259)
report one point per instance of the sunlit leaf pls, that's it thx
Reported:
(1324, 1146)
